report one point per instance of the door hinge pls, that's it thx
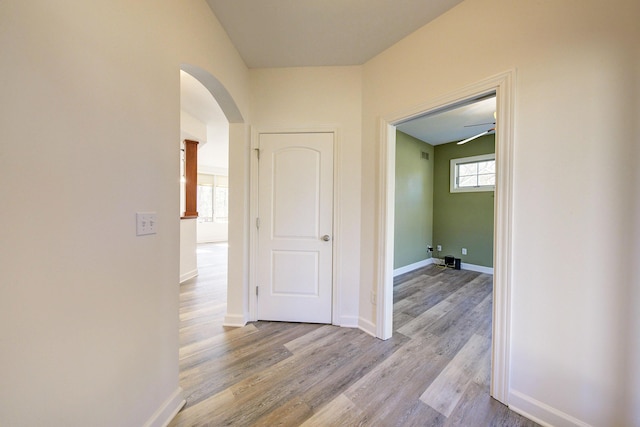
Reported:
(258, 223)
(257, 150)
(256, 291)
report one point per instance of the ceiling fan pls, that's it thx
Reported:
(486, 132)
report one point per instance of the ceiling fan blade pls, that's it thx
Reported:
(464, 141)
(480, 124)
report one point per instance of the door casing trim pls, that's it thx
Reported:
(503, 85)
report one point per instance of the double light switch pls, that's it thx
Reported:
(145, 223)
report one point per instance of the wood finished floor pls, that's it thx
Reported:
(433, 372)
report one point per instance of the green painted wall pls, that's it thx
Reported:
(414, 200)
(462, 220)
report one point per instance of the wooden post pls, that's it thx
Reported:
(191, 178)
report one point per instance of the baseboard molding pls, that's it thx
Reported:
(212, 241)
(189, 275)
(411, 267)
(367, 327)
(349, 322)
(167, 411)
(234, 320)
(478, 268)
(541, 413)
(469, 267)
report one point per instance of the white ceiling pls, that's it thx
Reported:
(288, 33)
(294, 33)
(454, 124)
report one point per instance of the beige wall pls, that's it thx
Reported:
(88, 311)
(89, 125)
(321, 97)
(188, 247)
(574, 185)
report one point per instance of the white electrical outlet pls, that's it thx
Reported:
(374, 299)
(146, 223)
(439, 248)
(464, 251)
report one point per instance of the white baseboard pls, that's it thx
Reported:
(212, 241)
(367, 327)
(349, 322)
(541, 413)
(478, 268)
(234, 320)
(189, 275)
(469, 267)
(167, 411)
(411, 267)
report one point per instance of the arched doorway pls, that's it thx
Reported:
(236, 136)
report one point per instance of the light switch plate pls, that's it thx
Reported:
(146, 223)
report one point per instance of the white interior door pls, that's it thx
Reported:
(295, 240)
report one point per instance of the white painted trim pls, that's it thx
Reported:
(386, 224)
(453, 170)
(469, 267)
(367, 327)
(411, 267)
(349, 322)
(212, 241)
(253, 209)
(503, 85)
(167, 411)
(478, 268)
(336, 312)
(541, 413)
(188, 275)
(253, 232)
(234, 320)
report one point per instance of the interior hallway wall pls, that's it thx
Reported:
(575, 158)
(323, 97)
(89, 124)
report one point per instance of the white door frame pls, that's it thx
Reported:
(253, 212)
(504, 87)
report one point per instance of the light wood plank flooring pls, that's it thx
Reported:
(433, 372)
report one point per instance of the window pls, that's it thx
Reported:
(205, 203)
(213, 198)
(221, 198)
(477, 173)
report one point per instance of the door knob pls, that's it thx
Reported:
(326, 238)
